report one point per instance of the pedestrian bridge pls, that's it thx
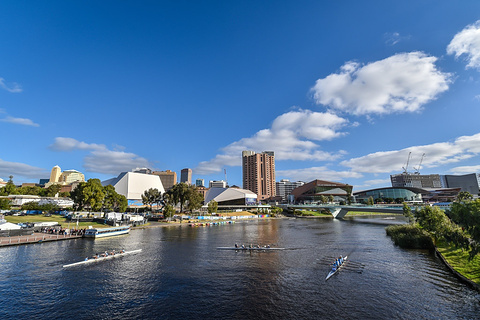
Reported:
(339, 212)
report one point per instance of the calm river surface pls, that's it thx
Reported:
(181, 275)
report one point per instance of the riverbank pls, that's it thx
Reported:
(457, 261)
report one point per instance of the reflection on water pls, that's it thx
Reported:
(180, 274)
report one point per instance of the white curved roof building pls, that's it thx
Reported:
(231, 196)
(132, 184)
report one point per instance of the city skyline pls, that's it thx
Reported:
(341, 92)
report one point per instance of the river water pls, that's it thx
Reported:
(181, 275)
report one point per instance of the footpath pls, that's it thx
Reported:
(34, 238)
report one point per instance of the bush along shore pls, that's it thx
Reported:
(454, 235)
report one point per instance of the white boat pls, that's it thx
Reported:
(331, 273)
(110, 256)
(247, 248)
(106, 232)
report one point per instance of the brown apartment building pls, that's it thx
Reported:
(259, 173)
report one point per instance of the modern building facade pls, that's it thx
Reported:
(133, 184)
(285, 188)
(415, 180)
(168, 178)
(467, 182)
(186, 176)
(313, 191)
(408, 194)
(200, 183)
(259, 173)
(64, 178)
(217, 184)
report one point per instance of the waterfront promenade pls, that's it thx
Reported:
(34, 238)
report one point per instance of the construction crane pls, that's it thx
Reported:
(417, 169)
(405, 169)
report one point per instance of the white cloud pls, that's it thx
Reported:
(22, 121)
(101, 159)
(437, 154)
(291, 136)
(113, 162)
(467, 43)
(393, 38)
(17, 169)
(69, 144)
(321, 173)
(14, 88)
(401, 83)
(465, 170)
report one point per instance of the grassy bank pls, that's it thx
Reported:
(458, 259)
(366, 213)
(54, 218)
(308, 213)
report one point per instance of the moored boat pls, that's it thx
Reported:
(331, 273)
(110, 256)
(106, 232)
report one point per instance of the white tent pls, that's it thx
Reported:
(9, 226)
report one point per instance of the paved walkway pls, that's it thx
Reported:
(34, 238)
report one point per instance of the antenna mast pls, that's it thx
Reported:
(405, 169)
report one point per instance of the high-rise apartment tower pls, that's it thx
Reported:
(186, 176)
(259, 173)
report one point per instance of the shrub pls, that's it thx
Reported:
(410, 236)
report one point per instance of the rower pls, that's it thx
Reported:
(236, 245)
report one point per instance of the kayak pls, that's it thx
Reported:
(331, 273)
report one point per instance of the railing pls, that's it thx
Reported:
(34, 238)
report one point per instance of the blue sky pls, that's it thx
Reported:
(340, 90)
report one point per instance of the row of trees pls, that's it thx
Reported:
(93, 196)
(460, 225)
(182, 194)
(51, 191)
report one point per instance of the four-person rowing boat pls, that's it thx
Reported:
(102, 258)
(335, 268)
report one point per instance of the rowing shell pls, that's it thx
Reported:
(246, 248)
(331, 273)
(91, 260)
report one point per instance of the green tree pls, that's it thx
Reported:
(434, 221)
(151, 196)
(331, 199)
(88, 194)
(407, 212)
(9, 188)
(5, 204)
(78, 196)
(179, 193)
(467, 215)
(194, 198)
(168, 211)
(370, 201)
(464, 196)
(114, 201)
(212, 207)
(52, 190)
(32, 205)
(94, 194)
(323, 199)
